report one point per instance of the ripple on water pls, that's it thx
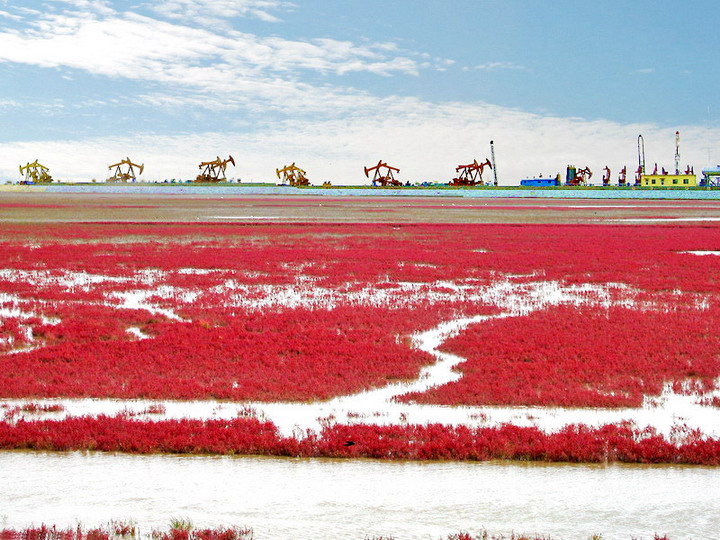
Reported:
(324, 498)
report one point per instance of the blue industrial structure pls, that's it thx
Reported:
(711, 176)
(540, 182)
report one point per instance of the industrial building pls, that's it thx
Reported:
(668, 180)
(540, 182)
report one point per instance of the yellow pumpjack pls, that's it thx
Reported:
(292, 175)
(35, 173)
(125, 171)
(214, 171)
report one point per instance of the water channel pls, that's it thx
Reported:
(282, 498)
(357, 499)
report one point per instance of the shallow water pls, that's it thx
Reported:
(665, 413)
(495, 193)
(330, 499)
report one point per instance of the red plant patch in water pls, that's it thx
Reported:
(614, 442)
(488, 207)
(45, 532)
(41, 407)
(196, 334)
(120, 531)
(582, 357)
(298, 354)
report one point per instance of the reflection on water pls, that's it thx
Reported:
(294, 498)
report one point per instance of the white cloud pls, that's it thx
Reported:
(426, 141)
(331, 131)
(203, 70)
(45, 108)
(497, 66)
(11, 16)
(26, 11)
(214, 12)
(135, 47)
(645, 71)
(77, 8)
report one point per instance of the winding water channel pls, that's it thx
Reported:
(664, 412)
(328, 499)
(348, 499)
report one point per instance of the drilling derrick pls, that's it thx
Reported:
(35, 173)
(641, 159)
(470, 175)
(214, 171)
(383, 174)
(292, 175)
(124, 171)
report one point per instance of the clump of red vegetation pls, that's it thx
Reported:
(583, 357)
(299, 354)
(116, 531)
(613, 443)
(236, 533)
(41, 407)
(561, 356)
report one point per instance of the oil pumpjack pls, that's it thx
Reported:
(383, 174)
(124, 171)
(35, 173)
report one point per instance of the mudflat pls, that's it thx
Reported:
(185, 208)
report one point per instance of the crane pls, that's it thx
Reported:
(125, 171)
(383, 174)
(35, 173)
(214, 171)
(293, 175)
(470, 175)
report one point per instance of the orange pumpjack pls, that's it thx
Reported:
(470, 175)
(383, 174)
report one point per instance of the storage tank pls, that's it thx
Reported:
(570, 175)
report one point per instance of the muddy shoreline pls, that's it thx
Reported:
(56, 207)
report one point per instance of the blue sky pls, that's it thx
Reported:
(335, 86)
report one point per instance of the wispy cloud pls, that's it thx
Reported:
(645, 71)
(85, 6)
(213, 12)
(11, 16)
(238, 65)
(50, 107)
(496, 66)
